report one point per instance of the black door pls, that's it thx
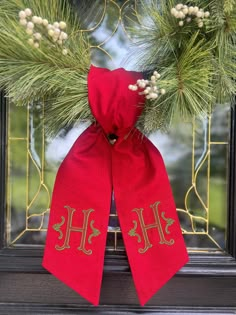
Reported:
(200, 158)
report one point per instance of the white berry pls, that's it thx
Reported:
(51, 32)
(34, 19)
(40, 20)
(181, 23)
(207, 14)
(22, 15)
(45, 22)
(36, 45)
(57, 31)
(199, 14)
(28, 12)
(29, 31)
(63, 35)
(153, 95)
(162, 91)
(64, 52)
(31, 41)
(179, 6)
(62, 25)
(178, 14)
(190, 10)
(23, 21)
(142, 85)
(173, 11)
(38, 36)
(56, 24)
(30, 25)
(181, 15)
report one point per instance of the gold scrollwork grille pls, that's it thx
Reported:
(195, 154)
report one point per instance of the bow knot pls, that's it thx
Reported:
(116, 112)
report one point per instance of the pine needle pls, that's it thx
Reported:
(29, 75)
(197, 66)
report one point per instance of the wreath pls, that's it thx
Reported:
(187, 49)
(187, 52)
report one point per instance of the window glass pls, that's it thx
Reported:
(195, 154)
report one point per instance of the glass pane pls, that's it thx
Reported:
(197, 167)
(195, 155)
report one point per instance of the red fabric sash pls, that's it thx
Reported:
(134, 169)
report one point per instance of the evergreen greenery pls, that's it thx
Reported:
(197, 65)
(45, 74)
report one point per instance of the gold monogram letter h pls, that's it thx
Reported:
(156, 225)
(70, 228)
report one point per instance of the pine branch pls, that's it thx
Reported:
(45, 74)
(197, 66)
(229, 6)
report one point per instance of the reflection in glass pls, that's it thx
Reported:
(195, 154)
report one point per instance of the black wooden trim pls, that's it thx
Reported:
(35, 309)
(29, 261)
(118, 289)
(231, 231)
(2, 167)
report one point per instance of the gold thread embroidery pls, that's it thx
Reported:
(84, 228)
(158, 221)
(57, 227)
(95, 233)
(133, 232)
(156, 225)
(70, 228)
(169, 222)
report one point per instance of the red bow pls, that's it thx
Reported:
(133, 168)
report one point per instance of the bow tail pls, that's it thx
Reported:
(79, 214)
(147, 215)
